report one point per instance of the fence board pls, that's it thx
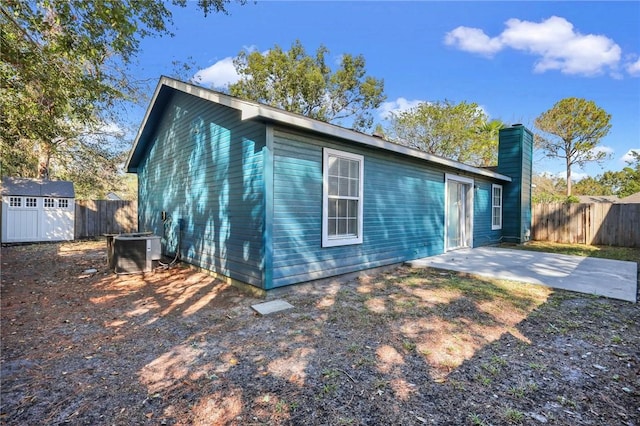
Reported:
(98, 217)
(596, 223)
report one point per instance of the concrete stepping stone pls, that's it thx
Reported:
(271, 307)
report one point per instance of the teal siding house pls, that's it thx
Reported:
(270, 198)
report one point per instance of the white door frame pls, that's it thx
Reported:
(469, 182)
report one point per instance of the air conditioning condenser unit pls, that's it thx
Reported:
(135, 253)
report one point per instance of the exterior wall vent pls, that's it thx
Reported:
(135, 253)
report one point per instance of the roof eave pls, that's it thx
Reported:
(373, 141)
(136, 141)
(250, 110)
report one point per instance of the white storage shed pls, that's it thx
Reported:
(37, 210)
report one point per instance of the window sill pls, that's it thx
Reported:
(337, 242)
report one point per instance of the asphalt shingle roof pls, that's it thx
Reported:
(37, 188)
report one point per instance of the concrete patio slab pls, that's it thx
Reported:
(271, 307)
(603, 277)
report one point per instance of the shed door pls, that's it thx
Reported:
(57, 219)
(21, 221)
(26, 219)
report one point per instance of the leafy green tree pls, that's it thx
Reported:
(633, 184)
(572, 130)
(592, 186)
(485, 146)
(547, 189)
(63, 72)
(626, 181)
(461, 132)
(620, 183)
(304, 84)
(379, 131)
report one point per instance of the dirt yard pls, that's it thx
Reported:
(402, 347)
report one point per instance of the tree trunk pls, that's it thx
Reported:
(45, 161)
(568, 178)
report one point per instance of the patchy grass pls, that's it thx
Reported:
(407, 346)
(605, 252)
(513, 416)
(444, 317)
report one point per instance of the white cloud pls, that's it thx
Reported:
(608, 151)
(220, 74)
(633, 68)
(107, 132)
(554, 41)
(547, 174)
(575, 176)
(473, 40)
(111, 128)
(627, 157)
(483, 110)
(252, 48)
(399, 105)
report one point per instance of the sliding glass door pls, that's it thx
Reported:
(459, 213)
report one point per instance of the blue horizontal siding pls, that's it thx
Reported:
(483, 235)
(403, 211)
(205, 168)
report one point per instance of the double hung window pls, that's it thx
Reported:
(342, 198)
(496, 207)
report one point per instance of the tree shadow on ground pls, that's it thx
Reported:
(179, 347)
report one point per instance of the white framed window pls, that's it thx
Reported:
(496, 206)
(15, 201)
(31, 202)
(49, 202)
(342, 198)
(63, 203)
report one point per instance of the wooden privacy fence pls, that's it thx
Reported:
(97, 217)
(596, 223)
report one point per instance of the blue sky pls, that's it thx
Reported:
(515, 59)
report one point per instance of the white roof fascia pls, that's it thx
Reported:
(144, 121)
(374, 141)
(251, 110)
